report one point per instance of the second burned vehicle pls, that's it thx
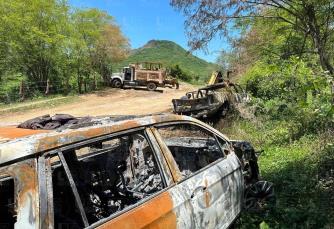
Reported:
(211, 100)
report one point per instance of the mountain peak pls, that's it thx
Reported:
(159, 43)
(169, 54)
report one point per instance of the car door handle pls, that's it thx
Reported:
(197, 190)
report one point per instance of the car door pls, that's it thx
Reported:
(116, 181)
(211, 180)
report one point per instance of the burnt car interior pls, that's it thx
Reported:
(109, 176)
(7, 204)
(193, 148)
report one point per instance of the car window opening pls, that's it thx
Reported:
(193, 148)
(7, 203)
(109, 177)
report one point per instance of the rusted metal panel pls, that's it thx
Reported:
(26, 191)
(11, 132)
(43, 200)
(156, 213)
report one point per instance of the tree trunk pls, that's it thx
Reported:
(318, 40)
(85, 85)
(47, 90)
(79, 81)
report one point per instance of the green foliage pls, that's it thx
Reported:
(9, 87)
(291, 90)
(178, 73)
(49, 41)
(301, 170)
(170, 55)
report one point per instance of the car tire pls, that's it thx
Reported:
(116, 83)
(151, 86)
(260, 196)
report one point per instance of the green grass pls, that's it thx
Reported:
(301, 170)
(169, 54)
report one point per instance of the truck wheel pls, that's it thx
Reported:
(151, 86)
(116, 83)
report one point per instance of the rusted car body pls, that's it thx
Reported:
(211, 100)
(80, 178)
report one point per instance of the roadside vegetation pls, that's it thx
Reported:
(48, 47)
(301, 170)
(282, 53)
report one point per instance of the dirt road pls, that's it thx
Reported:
(108, 102)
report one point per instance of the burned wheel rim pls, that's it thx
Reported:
(151, 86)
(260, 196)
(117, 83)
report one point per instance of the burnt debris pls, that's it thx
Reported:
(47, 122)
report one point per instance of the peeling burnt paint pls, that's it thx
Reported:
(27, 202)
(223, 186)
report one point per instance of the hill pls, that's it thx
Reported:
(171, 54)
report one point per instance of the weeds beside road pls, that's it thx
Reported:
(301, 170)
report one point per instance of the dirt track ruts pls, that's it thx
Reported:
(108, 102)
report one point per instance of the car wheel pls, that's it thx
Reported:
(260, 196)
(116, 83)
(151, 86)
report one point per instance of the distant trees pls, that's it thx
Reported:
(50, 41)
(179, 73)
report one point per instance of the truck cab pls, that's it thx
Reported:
(125, 76)
(128, 74)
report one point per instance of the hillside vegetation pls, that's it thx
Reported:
(171, 54)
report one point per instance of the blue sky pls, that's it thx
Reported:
(144, 20)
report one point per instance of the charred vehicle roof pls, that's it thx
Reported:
(34, 141)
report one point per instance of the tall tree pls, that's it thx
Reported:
(31, 34)
(98, 43)
(311, 18)
(111, 47)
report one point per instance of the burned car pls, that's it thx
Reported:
(211, 100)
(155, 171)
